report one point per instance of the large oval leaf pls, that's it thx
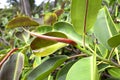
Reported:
(104, 27)
(83, 69)
(84, 13)
(44, 69)
(12, 68)
(114, 41)
(21, 21)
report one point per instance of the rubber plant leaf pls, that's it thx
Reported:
(43, 47)
(21, 21)
(84, 14)
(104, 27)
(12, 68)
(44, 69)
(83, 69)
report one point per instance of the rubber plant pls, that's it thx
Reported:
(92, 33)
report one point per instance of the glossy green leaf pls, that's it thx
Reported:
(44, 69)
(12, 68)
(104, 27)
(84, 69)
(114, 41)
(21, 21)
(114, 72)
(44, 47)
(68, 30)
(61, 75)
(84, 13)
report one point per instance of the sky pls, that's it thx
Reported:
(3, 3)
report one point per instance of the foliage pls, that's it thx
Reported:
(70, 40)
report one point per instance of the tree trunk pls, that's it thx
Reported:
(25, 7)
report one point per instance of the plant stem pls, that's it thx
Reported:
(79, 55)
(108, 61)
(84, 50)
(117, 56)
(7, 56)
(111, 52)
(84, 35)
(85, 21)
